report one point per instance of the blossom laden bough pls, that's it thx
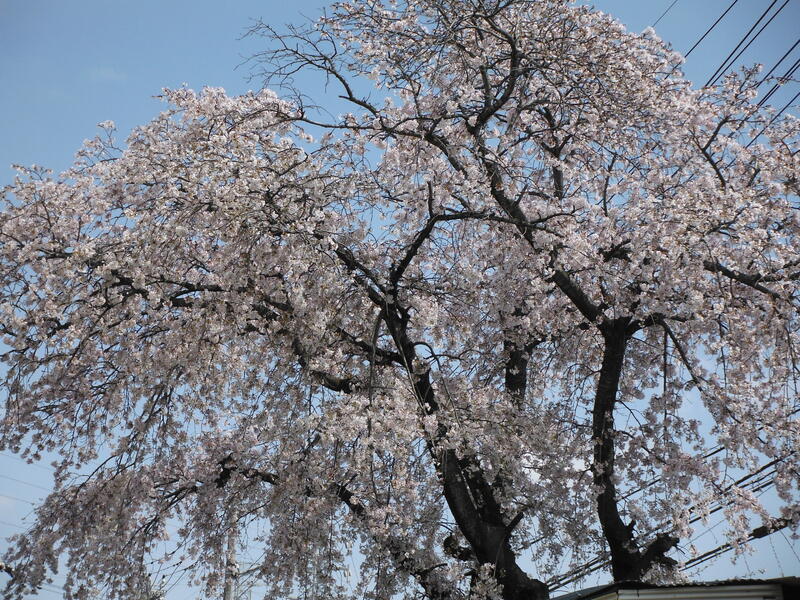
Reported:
(456, 329)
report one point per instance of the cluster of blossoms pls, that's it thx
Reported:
(498, 317)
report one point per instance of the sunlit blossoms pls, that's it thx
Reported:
(532, 299)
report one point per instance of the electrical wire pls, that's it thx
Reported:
(7, 524)
(710, 29)
(712, 452)
(791, 546)
(773, 119)
(781, 80)
(777, 64)
(18, 499)
(757, 533)
(756, 481)
(758, 33)
(776, 86)
(656, 480)
(664, 14)
(41, 487)
(724, 66)
(30, 464)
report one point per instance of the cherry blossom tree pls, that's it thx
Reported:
(533, 298)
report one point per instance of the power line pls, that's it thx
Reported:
(7, 524)
(30, 464)
(758, 33)
(597, 563)
(664, 14)
(709, 453)
(791, 546)
(777, 64)
(757, 533)
(18, 499)
(722, 16)
(781, 80)
(773, 119)
(756, 481)
(721, 69)
(41, 487)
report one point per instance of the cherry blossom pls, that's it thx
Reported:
(531, 299)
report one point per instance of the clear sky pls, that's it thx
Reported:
(67, 65)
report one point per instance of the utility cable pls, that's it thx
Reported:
(777, 64)
(15, 525)
(773, 119)
(758, 33)
(30, 464)
(722, 16)
(776, 86)
(755, 481)
(723, 67)
(757, 533)
(17, 499)
(781, 80)
(41, 487)
(664, 14)
(656, 480)
(709, 453)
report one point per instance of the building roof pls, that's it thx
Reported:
(790, 587)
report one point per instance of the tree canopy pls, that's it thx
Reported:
(532, 299)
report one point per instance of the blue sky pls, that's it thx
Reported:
(67, 65)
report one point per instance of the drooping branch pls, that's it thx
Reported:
(425, 574)
(466, 489)
(402, 552)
